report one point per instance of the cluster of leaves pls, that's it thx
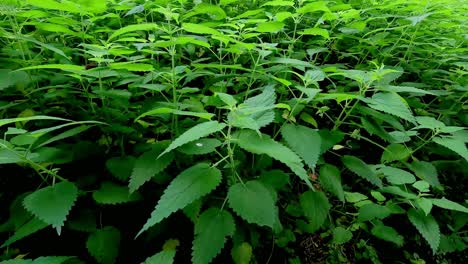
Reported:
(251, 127)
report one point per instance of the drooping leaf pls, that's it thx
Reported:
(53, 203)
(200, 29)
(315, 206)
(194, 133)
(341, 235)
(454, 145)
(136, 67)
(425, 171)
(163, 257)
(147, 166)
(250, 141)
(427, 227)
(397, 176)
(330, 178)
(40, 260)
(111, 193)
(253, 202)
(270, 27)
(188, 186)
(121, 167)
(32, 226)
(425, 204)
(256, 112)
(304, 141)
(211, 231)
(133, 28)
(391, 103)
(449, 205)
(104, 245)
(363, 170)
(388, 234)
(316, 32)
(371, 211)
(395, 152)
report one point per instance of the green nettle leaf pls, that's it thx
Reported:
(397, 176)
(32, 226)
(133, 28)
(253, 202)
(194, 133)
(371, 211)
(304, 141)
(341, 235)
(330, 178)
(395, 152)
(111, 193)
(147, 166)
(242, 253)
(316, 32)
(211, 231)
(250, 141)
(256, 112)
(270, 27)
(53, 203)
(354, 197)
(315, 206)
(449, 205)
(188, 186)
(274, 178)
(428, 122)
(391, 103)
(199, 29)
(137, 67)
(121, 167)
(363, 170)
(427, 226)
(104, 245)
(454, 145)
(425, 204)
(200, 146)
(425, 171)
(388, 234)
(163, 257)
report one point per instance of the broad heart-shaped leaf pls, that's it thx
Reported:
(388, 234)
(330, 179)
(194, 133)
(315, 206)
(304, 141)
(121, 167)
(391, 103)
(211, 231)
(111, 193)
(397, 176)
(188, 186)
(32, 226)
(147, 166)
(53, 203)
(427, 226)
(104, 245)
(250, 141)
(371, 211)
(359, 167)
(454, 145)
(253, 202)
(449, 205)
(163, 257)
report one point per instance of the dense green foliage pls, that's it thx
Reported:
(229, 131)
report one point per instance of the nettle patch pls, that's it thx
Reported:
(233, 131)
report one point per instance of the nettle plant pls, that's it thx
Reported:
(279, 129)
